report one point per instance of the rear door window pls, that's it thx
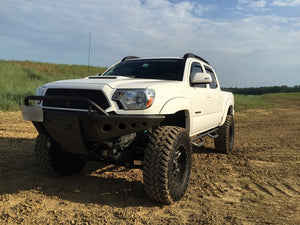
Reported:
(214, 83)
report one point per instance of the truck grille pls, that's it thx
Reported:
(95, 95)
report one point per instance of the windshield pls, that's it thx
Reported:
(163, 69)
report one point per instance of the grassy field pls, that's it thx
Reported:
(21, 78)
(266, 101)
(243, 102)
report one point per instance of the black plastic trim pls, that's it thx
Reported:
(128, 58)
(191, 55)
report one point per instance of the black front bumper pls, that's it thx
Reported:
(75, 130)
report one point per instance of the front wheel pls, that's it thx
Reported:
(167, 164)
(224, 143)
(53, 161)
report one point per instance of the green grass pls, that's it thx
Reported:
(266, 101)
(294, 96)
(21, 78)
(244, 102)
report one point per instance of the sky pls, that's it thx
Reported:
(249, 43)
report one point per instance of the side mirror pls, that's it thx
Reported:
(201, 78)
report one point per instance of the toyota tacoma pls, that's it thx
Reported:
(141, 112)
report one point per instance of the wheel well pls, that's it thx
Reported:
(178, 119)
(230, 110)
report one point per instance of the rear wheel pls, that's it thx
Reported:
(53, 161)
(224, 143)
(167, 164)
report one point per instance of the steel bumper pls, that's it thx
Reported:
(74, 130)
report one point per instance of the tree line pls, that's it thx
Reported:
(263, 90)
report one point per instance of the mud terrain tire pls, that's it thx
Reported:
(167, 164)
(53, 161)
(224, 143)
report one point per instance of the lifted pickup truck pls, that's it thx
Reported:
(141, 112)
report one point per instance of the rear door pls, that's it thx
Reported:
(215, 99)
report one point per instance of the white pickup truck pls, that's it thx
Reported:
(141, 112)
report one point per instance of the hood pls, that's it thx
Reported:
(114, 82)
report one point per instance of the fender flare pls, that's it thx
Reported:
(174, 105)
(228, 109)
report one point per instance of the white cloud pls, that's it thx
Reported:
(58, 32)
(242, 4)
(258, 4)
(284, 3)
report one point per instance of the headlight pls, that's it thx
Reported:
(40, 91)
(134, 98)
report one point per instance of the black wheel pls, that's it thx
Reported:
(53, 161)
(167, 164)
(224, 143)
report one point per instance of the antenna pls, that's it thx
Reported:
(89, 56)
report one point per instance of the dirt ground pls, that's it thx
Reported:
(259, 183)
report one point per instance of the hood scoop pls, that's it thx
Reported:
(102, 77)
